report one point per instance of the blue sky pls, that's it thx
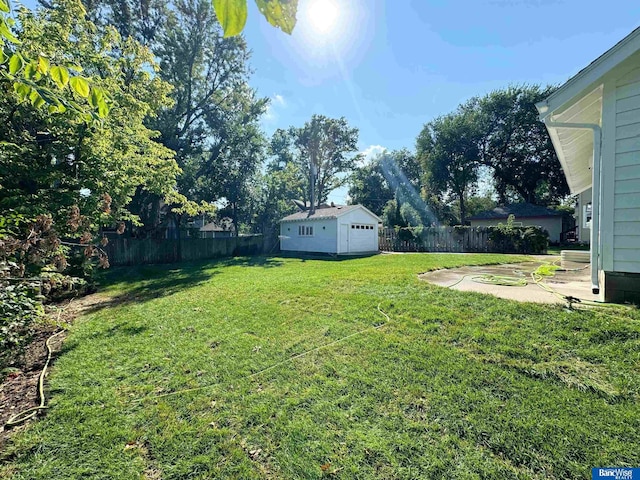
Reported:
(391, 66)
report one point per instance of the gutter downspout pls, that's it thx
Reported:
(596, 258)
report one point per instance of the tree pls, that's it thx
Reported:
(236, 154)
(477, 204)
(448, 150)
(277, 187)
(42, 83)
(209, 75)
(515, 145)
(142, 20)
(326, 144)
(83, 174)
(368, 187)
(389, 175)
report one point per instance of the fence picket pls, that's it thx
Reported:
(441, 239)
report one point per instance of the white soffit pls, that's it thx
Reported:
(575, 146)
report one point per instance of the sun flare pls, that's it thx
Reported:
(323, 15)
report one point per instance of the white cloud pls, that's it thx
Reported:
(279, 100)
(271, 114)
(371, 152)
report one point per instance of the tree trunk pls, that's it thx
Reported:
(234, 216)
(463, 209)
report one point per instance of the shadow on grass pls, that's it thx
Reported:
(329, 257)
(257, 261)
(147, 282)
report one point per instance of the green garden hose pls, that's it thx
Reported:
(504, 280)
(32, 412)
(543, 271)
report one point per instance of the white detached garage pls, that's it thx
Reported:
(343, 230)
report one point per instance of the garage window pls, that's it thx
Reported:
(305, 231)
(356, 226)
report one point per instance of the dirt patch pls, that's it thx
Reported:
(19, 390)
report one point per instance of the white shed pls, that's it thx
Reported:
(342, 230)
(594, 123)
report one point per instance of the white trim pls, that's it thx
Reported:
(363, 208)
(332, 217)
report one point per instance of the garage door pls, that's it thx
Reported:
(362, 238)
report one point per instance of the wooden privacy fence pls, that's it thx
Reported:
(134, 251)
(446, 239)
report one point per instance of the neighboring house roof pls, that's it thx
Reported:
(327, 213)
(213, 227)
(519, 210)
(579, 100)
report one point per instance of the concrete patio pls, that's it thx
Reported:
(573, 281)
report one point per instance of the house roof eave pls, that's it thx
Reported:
(589, 75)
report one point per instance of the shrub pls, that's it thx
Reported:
(20, 307)
(508, 238)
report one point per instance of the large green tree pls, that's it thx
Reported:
(448, 149)
(515, 145)
(236, 154)
(81, 173)
(326, 145)
(389, 175)
(276, 188)
(209, 76)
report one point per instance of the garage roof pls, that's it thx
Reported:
(326, 213)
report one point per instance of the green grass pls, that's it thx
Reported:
(457, 385)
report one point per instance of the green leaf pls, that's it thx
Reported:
(15, 64)
(97, 96)
(48, 96)
(5, 32)
(4, 7)
(36, 100)
(232, 15)
(22, 90)
(3, 57)
(80, 86)
(43, 65)
(280, 13)
(103, 109)
(60, 75)
(30, 70)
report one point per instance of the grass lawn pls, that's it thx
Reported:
(456, 385)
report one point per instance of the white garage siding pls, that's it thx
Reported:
(351, 231)
(323, 238)
(626, 215)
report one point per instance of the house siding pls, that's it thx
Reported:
(626, 179)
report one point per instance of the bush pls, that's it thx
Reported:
(20, 307)
(507, 238)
